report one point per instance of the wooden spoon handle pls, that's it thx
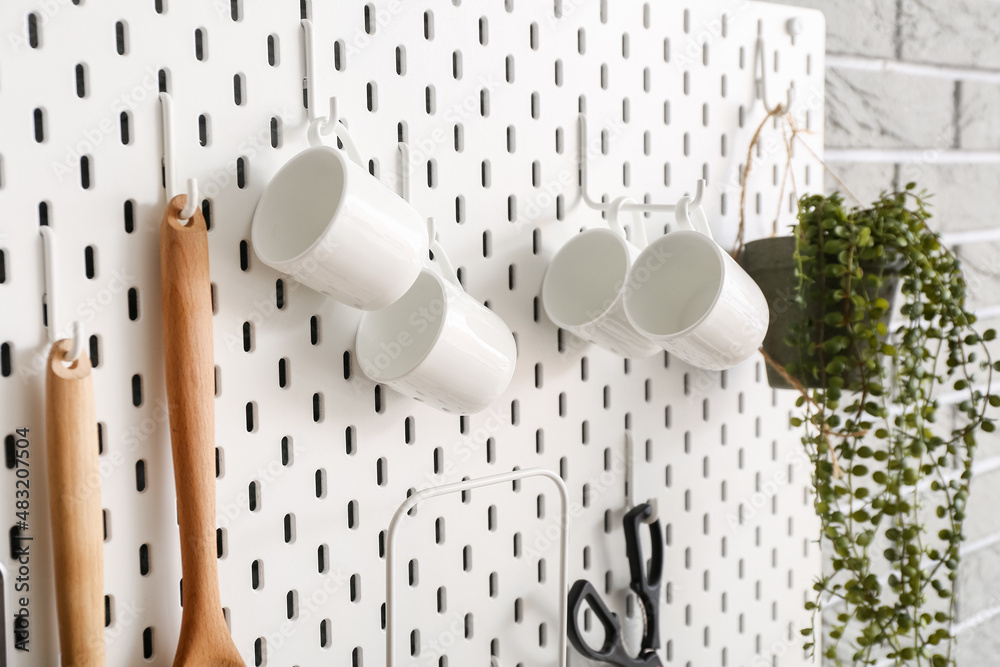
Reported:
(190, 374)
(75, 501)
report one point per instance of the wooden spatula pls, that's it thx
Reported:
(187, 338)
(75, 504)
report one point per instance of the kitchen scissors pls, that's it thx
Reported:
(645, 584)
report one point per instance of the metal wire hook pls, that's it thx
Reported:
(392, 556)
(170, 164)
(584, 157)
(48, 255)
(630, 481)
(760, 70)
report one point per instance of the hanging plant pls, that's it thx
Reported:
(890, 485)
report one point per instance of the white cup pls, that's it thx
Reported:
(583, 287)
(327, 222)
(438, 345)
(688, 295)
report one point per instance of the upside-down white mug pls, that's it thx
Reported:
(688, 295)
(583, 288)
(438, 345)
(327, 222)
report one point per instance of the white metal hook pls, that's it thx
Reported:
(404, 171)
(584, 158)
(457, 487)
(49, 258)
(760, 71)
(310, 61)
(630, 465)
(170, 165)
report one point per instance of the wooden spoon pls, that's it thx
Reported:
(187, 343)
(75, 505)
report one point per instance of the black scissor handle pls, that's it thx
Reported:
(645, 583)
(613, 650)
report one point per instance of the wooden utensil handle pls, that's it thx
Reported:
(190, 375)
(75, 502)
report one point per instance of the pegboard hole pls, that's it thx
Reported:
(163, 80)
(38, 116)
(147, 643)
(125, 127)
(401, 60)
(442, 599)
(144, 564)
(203, 130)
(372, 94)
(352, 515)
(81, 80)
(429, 100)
(428, 25)
(85, 175)
(140, 475)
(292, 605)
(121, 37)
(251, 417)
(242, 165)
(239, 89)
(339, 55)
(283, 372)
(200, 46)
(289, 528)
(317, 407)
(253, 496)
(137, 390)
(273, 50)
(260, 652)
(257, 575)
(287, 451)
(236, 10)
(382, 472)
(323, 558)
(94, 350)
(33, 32)
(456, 65)
(314, 325)
(159, 6)
(355, 586)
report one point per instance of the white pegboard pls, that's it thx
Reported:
(313, 458)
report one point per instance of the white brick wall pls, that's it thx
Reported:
(913, 94)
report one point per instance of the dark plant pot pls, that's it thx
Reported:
(771, 263)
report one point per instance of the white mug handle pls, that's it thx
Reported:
(446, 268)
(640, 239)
(692, 217)
(324, 127)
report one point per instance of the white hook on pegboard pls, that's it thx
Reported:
(468, 485)
(48, 255)
(584, 158)
(322, 126)
(760, 71)
(169, 162)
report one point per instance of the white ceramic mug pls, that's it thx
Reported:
(327, 222)
(688, 295)
(583, 288)
(438, 345)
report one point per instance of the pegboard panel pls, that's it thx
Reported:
(313, 459)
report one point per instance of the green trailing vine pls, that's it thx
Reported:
(890, 485)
